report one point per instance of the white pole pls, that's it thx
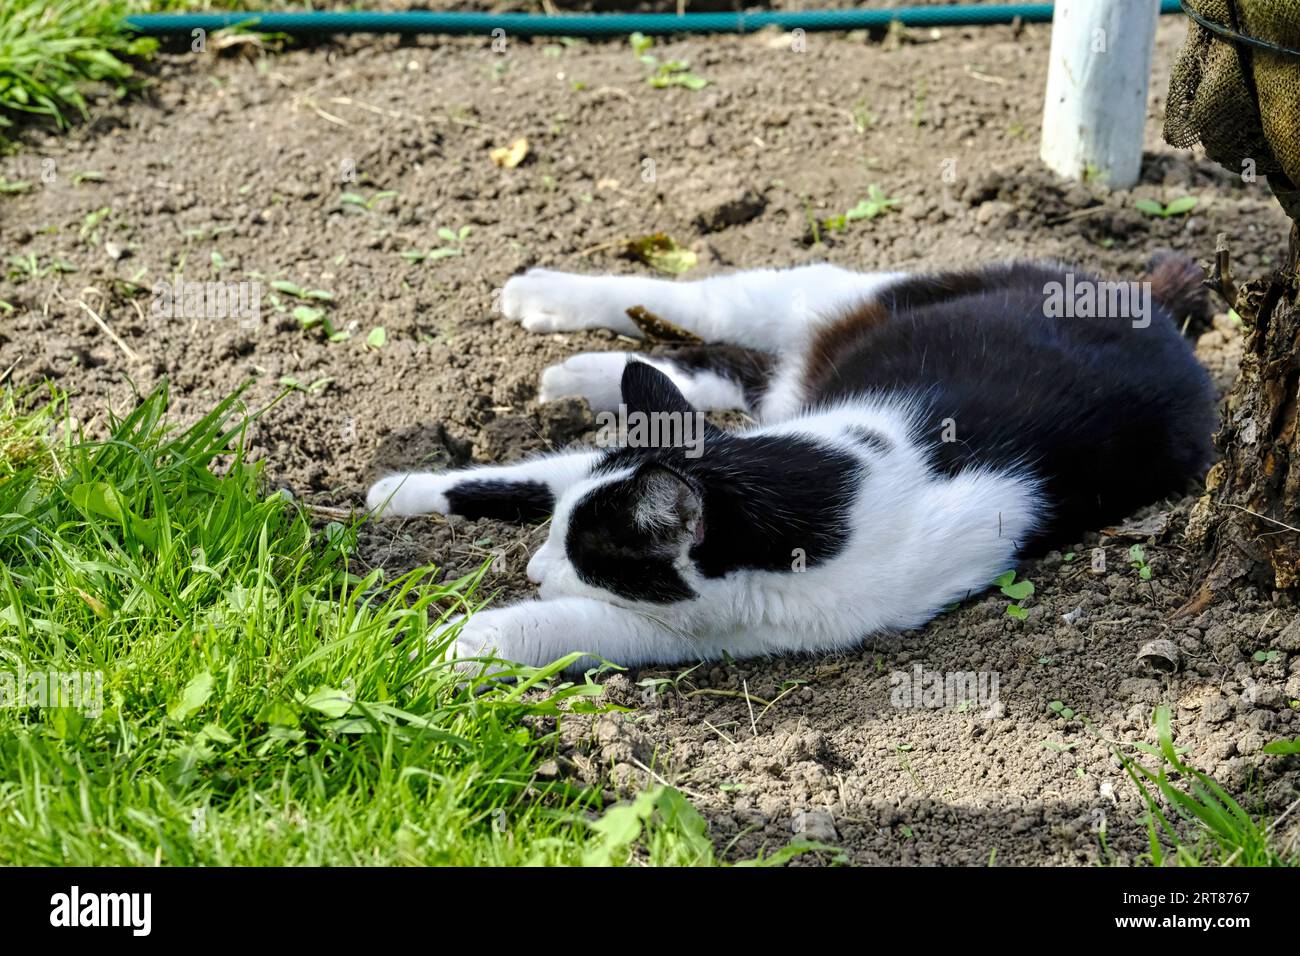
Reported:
(1096, 109)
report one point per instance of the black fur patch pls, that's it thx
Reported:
(609, 550)
(502, 500)
(1110, 416)
(772, 503)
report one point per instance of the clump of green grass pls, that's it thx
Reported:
(260, 701)
(25, 434)
(1191, 812)
(51, 50)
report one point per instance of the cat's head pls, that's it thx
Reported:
(626, 533)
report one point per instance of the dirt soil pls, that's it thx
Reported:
(235, 168)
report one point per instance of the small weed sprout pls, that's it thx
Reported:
(360, 201)
(1061, 710)
(23, 268)
(876, 204)
(1179, 207)
(310, 316)
(665, 72)
(1137, 560)
(1017, 591)
(453, 240)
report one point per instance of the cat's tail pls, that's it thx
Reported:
(1177, 284)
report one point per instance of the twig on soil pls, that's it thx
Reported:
(776, 700)
(326, 511)
(397, 114)
(1077, 214)
(349, 101)
(1273, 826)
(657, 329)
(766, 704)
(717, 692)
(659, 779)
(5, 374)
(987, 77)
(117, 340)
(1271, 615)
(728, 739)
(752, 722)
(604, 245)
(329, 117)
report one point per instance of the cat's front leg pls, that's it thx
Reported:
(538, 632)
(525, 491)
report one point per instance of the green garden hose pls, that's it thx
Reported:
(593, 25)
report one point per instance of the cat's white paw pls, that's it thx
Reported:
(484, 634)
(514, 634)
(595, 376)
(545, 301)
(410, 493)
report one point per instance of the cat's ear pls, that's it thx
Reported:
(646, 389)
(667, 504)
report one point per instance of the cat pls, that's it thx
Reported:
(917, 436)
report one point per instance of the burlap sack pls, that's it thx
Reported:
(1242, 102)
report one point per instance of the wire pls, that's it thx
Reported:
(1228, 33)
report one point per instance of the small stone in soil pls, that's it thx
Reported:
(815, 825)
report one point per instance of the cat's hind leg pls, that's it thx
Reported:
(711, 377)
(525, 491)
(768, 309)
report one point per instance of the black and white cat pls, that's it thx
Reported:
(918, 434)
